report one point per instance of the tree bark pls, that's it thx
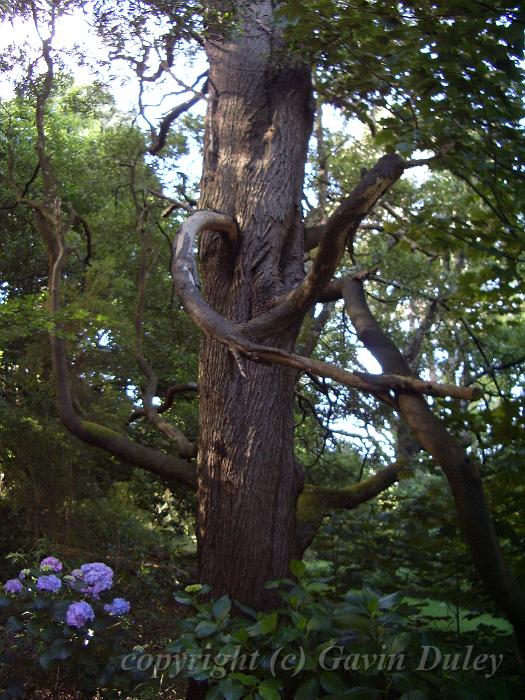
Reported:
(257, 128)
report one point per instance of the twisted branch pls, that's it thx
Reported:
(232, 334)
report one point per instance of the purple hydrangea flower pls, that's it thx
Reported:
(51, 563)
(13, 586)
(48, 583)
(98, 578)
(119, 606)
(23, 573)
(79, 613)
(77, 573)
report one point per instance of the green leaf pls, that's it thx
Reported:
(358, 693)
(13, 625)
(221, 607)
(230, 690)
(244, 678)
(32, 628)
(59, 650)
(298, 568)
(399, 643)
(317, 587)
(268, 623)
(4, 602)
(308, 690)
(318, 623)
(245, 609)
(183, 598)
(45, 660)
(214, 693)
(331, 682)
(240, 635)
(206, 628)
(389, 601)
(270, 689)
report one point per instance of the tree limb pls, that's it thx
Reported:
(170, 117)
(339, 229)
(159, 463)
(461, 472)
(316, 501)
(48, 217)
(185, 447)
(231, 334)
(171, 393)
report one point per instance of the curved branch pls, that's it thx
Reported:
(339, 229)
(231, 334)
(158, 463)
(170, 117)
(312, 236)
(461, 472)
(316, 501)
(171, 393)
(48, 218)
(185, 447)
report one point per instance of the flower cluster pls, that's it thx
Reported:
(49, 583)
(119, 606)
(90, 580)
(79, 613)
(97, 577)
(13, 586)
(51, 563)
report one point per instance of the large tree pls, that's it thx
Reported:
(437, 77)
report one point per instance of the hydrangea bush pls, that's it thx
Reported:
(72, 621)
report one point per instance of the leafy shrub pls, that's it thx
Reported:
(318, 645)
(71, 623)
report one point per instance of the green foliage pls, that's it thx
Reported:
(93, 148)
(317, 644)
(425, 76)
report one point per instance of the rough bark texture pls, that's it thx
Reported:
(257, 128)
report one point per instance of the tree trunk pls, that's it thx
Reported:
(257, 128)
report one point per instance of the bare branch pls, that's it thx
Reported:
(170, 117)
(432, 159)
(173, 204)
(171, 393)
(312, 329)
(498, 367)
(414, 348)
(185, 447)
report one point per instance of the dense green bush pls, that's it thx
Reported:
(319, 645)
